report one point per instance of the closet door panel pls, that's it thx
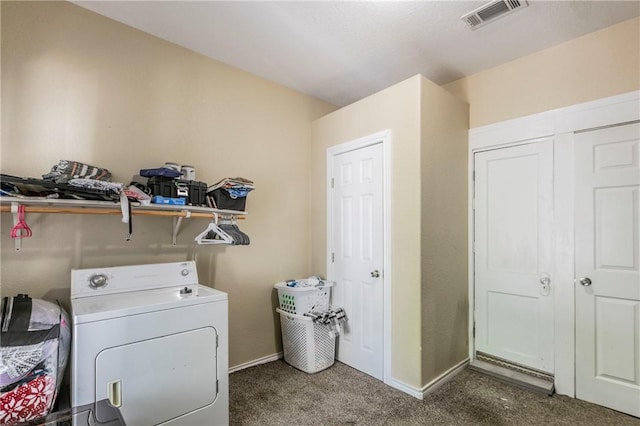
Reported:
(513, 290)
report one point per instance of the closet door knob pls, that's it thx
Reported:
(375, 274)
(585, 281)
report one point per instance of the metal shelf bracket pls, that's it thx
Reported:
(177, 222)
(17, 242)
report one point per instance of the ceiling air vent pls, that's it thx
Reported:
(492, 11)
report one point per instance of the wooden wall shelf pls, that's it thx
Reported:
(46, 205)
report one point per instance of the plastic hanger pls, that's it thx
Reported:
(21, 229)
(214, 235)
(245, 237)
(239, 237)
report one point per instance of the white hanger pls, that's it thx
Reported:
(213, 227)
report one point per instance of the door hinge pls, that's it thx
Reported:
(473, 175)
(332, 182)
(473, 247)
(474, 329)
(333, 257)
(217, 386)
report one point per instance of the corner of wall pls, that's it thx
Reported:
(443, 176)
(396, 108)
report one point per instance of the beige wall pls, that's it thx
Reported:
(428, 218)
(444, 259)
(79, 86)
(397, 109)
(597, 65)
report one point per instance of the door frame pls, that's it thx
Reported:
(560, 125)
(383, 137)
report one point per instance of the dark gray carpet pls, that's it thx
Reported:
(277, 394)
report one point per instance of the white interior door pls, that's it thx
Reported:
(513, 288)
(607, 202)
(357, 251)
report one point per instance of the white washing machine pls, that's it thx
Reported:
(153, 341)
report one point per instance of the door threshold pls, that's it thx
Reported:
(518, 378)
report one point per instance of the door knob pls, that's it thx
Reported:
(375, 274)
(585, 281)
(545, 282)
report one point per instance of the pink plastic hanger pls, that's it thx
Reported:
(21, 229)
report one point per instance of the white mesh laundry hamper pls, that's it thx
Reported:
(308, 346)
(304, 297)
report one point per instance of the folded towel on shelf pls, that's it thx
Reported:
(238, 183)
(114, 187)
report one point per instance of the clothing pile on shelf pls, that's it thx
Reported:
(230, 193)
(67, 179)
(35, 339)
(79, 181)
(66, 170)
(237, 187)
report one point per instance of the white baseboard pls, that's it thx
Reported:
(444, 378)
(410, 390)
(420, 393)
(263, 360)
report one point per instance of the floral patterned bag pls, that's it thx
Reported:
(34, 347)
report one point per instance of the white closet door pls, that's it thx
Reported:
(357, 228)
(513, 288)
(607, 202)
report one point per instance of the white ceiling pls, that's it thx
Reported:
(345, 51)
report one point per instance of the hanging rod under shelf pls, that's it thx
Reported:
(117, 211)
(42, 205)
(178, 213)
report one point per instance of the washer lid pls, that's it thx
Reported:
(101, 307)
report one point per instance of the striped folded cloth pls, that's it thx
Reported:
(66, 170)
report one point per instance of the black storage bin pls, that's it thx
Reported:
(175, 188)
(197, 192)
(163, 186)
(224, 201)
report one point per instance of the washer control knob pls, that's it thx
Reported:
(185, 272)
(97, 281)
